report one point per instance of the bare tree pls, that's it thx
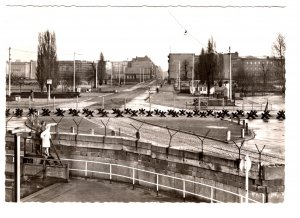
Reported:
(47, 65)
(278, 48)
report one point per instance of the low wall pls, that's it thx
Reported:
(267, 186)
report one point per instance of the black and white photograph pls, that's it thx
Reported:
(147, 102)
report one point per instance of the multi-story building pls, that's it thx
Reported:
(251, 65)
(83, 70)
(181, 65)
(116, 71)
(140, 69)
(26, 70)
(137, 70)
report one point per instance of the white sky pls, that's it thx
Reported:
(123, 33)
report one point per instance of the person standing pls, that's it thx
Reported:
(46, 137)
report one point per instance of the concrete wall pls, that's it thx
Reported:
(211, 170)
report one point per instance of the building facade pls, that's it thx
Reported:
(181, 65)
(26, 70)
(140, 69)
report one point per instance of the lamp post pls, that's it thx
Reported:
(96, 77)
(124, 71)
(193, 73)
(9, 72)
(179, 75)
(74, 71)
(119, 73)
(17, 160)
(230, 82)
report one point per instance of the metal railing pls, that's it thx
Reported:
(158, 177)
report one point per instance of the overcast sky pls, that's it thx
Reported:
(124, 33)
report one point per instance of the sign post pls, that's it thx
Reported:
(246, 165)
(49, 82)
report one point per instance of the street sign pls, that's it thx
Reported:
(49, 81)
(245, 164)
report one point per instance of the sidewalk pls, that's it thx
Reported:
(80, 190)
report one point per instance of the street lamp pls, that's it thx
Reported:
(96, 78)
(230, 82)
(74, 71)
(179, 75)
(9, 73)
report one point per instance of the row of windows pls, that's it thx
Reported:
(258, 62)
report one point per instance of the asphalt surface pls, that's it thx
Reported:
(81, 190)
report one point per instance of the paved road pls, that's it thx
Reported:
(80, 190)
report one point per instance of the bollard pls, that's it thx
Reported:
(247, 133)
(231, 117)
(242, 133)
(72, 129)
(92, 131)
(215, 114)
(228, 135)
(244, 123)
(239, 121)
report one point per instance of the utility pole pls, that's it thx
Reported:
(96, 79)
(9, 71)
(230, 85)
(119, 72)
(74, 74)
(111, 73)
(179, 75)
(124, 74)
(140, 75)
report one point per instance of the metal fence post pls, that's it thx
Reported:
(133, 178)
(85, 171)
(184, 190)
(110, 173)
(157, 184)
